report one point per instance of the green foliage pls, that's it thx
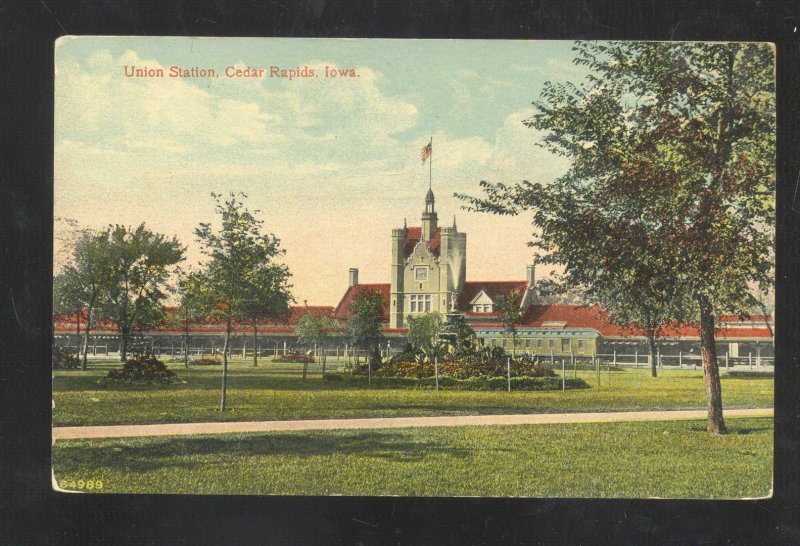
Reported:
(240, 279)
(511, 314)
(423, 334)
(139, 263)
(313, 329)
(364, 327)
(62, 360)
(666, 214)
(140, 369)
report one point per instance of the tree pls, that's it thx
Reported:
(266, 296)
(139, 263)
(423, 334)
(191, 308)
(364, 326)
(671, 183)
(80, 285)
(316, 329)
(511, 315)
(240, 274)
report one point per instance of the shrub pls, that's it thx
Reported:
(334, 377)
(140, 369)
(62, 360)
(207, 361)
(294, 358)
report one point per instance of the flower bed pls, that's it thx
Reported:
(519, 383)
(142, 370)
(294, 357)
(207, 361)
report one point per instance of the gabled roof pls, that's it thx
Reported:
(414, 236)
(493, 289)
(342, 311)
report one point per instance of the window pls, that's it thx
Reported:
(565, 345)
(580, 344)
(420, 303)
(527, 343)
(421, 273)
(539, 343)
(482, 308)
(551, 343)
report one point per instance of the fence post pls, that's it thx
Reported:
(552, 359)
(680, 360)
(636, 358)
(727, 365)
(597, 367)
(615, 358)
(563, 375)
(658, 357)
(284, 347)
(244, 348)
(508, 365)
(750, 359)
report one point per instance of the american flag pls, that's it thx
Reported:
(426, 151)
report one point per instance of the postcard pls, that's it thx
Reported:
(413, 267)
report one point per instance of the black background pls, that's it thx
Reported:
(31, 513)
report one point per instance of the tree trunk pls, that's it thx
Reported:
(186, 340)
(86, 340)
(716, 423)
(323, 363)
(651, 344)
(255, 344)
(123, 347)
(305, 365)
(225, 365)
(77, 335)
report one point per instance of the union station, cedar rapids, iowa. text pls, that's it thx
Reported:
(428, 274)
(292, 73)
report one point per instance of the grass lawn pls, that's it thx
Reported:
(676, 459)
(276, 391)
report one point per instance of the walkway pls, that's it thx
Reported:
(180, 429)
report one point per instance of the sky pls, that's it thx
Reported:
(332, 164)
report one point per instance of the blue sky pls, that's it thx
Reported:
(332, 164)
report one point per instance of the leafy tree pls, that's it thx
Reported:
(423, 334)
(191, 308)
(81, 284)
(511, 315)
(364, 326)
(316, 329)
(266, 296)
(671, 183)
(139, 263)
(240, 274)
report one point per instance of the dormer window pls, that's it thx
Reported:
(482, 303)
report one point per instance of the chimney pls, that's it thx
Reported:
(353, 276)
(530, 274)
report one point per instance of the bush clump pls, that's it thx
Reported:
(296, 358)
(207, 361)
(475, 383)
(62, 360)
(140, 369)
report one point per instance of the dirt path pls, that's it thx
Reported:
(181, 429)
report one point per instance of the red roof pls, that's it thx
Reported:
(66, 323)
(414, 236)
(494, 289)
(342, 311)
